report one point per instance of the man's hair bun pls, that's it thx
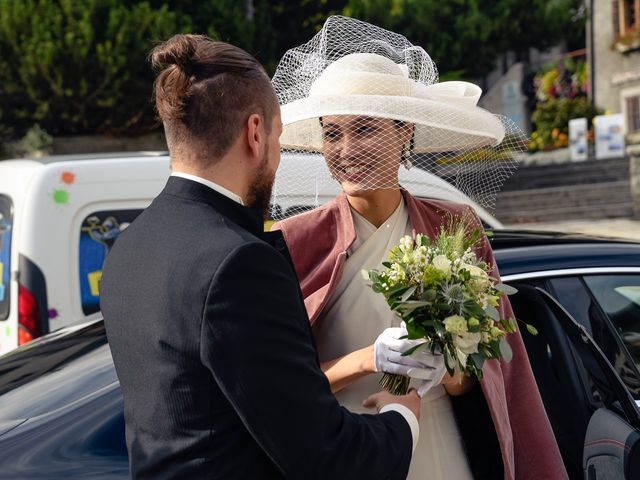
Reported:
(179, 50)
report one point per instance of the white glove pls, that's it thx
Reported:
(421, 364)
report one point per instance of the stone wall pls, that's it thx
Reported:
(593, 189)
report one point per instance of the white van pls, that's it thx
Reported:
(59, 216)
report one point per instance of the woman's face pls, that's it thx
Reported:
(363, 153)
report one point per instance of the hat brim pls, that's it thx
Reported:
(439, 126)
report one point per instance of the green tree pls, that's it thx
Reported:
(467, 36)
(264, 28)
(77, 66)
(451, 32)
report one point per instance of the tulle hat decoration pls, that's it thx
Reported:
(445, 115)
(370, 101)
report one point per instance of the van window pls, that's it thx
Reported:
(97, 235)
(6, 222)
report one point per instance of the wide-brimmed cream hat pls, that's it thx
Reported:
(377, 78)
(357, 72)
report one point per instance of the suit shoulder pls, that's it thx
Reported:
(251, 254)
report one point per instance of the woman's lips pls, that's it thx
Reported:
(354, 173)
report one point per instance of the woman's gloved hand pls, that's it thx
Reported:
(421, 364)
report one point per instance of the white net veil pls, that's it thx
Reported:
(362, 110)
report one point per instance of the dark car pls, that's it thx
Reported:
(61, 411)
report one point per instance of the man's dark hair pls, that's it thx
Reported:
(205, 92)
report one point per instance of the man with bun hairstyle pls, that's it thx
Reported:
(204, 317)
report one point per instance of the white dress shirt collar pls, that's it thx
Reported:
(211, 185)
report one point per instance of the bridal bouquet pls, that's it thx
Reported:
(445, 295)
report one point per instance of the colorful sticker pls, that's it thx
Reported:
(7, 331)
(67, 178)
(2, 287)
(53, 313)
(98, 233)
(94, 282)
(61, 197)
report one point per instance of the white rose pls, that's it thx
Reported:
(442, 263)
(467, 342)
(455, 324)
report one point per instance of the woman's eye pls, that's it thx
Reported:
(331, 134)
(365, 129)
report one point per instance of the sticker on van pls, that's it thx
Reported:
(98, 233)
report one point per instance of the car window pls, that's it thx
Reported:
(619, 298)
(573, 296)
(97, 235)
(586, 308)
(6, 222)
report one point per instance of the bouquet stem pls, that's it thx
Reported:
(395, 384)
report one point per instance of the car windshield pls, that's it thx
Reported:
(55, 372)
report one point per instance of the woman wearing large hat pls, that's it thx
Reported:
(369, 101)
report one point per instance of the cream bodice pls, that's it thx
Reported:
(352, 319)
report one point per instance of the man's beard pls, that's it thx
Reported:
(260, 187)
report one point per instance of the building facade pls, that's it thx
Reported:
(614, 53)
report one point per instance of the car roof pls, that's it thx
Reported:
(521, 251)
(95, 156)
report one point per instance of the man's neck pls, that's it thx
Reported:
(221, 176)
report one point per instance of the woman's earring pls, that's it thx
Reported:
(406, 154)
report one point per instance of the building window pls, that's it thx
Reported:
(633, 114)
(626, 17)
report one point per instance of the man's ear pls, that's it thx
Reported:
(255, 135)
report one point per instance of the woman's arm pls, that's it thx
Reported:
(343, 370)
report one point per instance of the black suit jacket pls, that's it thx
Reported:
(211, 343)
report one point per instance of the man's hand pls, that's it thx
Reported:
(378, 400)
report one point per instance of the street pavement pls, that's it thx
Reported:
(614, 227)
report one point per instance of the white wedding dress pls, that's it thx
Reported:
(352, 320)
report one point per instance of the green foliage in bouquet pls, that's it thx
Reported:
(80, 66)
(445, 295)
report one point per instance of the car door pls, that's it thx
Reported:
(607, 305)
(593, 415)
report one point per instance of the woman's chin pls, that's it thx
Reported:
(355, 189)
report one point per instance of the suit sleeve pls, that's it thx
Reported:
(536, 452)
(256, 342)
